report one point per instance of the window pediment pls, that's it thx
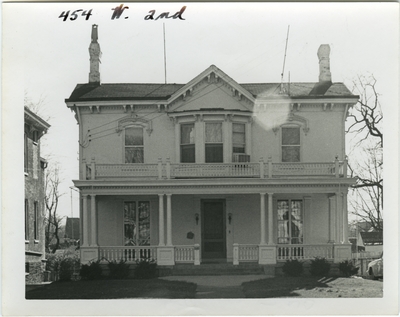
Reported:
(134, 121)
(295, 119)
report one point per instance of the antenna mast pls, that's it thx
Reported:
(165, 56)
(284, 58)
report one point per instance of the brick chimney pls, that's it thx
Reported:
(324, 63)
(94, 52)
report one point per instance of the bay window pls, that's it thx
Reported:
(137, 223)
(134, 145)
(187, 143)
(291, 144)
(290, 221)
(213, 143)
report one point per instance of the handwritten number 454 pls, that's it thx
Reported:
(74, 14)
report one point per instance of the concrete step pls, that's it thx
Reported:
(217, 269)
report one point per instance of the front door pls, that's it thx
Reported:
(213, 229)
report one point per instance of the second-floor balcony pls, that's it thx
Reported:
(168, 170)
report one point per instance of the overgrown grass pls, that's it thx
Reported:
(113, 289)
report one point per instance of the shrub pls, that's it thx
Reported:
(62, 265)
(348, 268)
(91, 271)
(66, 269)
(320, 267)
(145, 269)
(293, 268)
(118, 270)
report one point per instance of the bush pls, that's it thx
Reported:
(320, 267)
(145, 269)
(348, 268)
(118, 270)
(91, 271)
(293, 268)
(62, 265)
(66, 269)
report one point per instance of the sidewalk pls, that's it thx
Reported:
(222, 286)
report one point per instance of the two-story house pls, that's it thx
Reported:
(212, 170)
(34, 167)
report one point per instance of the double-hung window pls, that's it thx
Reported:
(187, 143)
(213, 143)
(134, 145)
(290, 221)
(291, 144)
(239, 138)
(137, 223)
(35, 221)
(26, 220)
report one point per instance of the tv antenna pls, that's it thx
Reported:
(284, 58)
(165, 56)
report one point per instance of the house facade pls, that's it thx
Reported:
(212, 170)
(34, 167)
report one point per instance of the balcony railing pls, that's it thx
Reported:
(166, 170)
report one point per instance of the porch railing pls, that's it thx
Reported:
(166, 170)
(127, 253)
(248, 253)
(184, 253)
(304, 252)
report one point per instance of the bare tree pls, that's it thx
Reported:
(52, 219)
(366, 159)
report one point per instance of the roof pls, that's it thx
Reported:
(160, 91)
(374, 237)
(35, 120)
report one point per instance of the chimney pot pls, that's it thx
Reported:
(324, 63)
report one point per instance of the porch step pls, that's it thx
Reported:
(216, 269)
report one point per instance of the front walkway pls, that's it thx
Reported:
(223, 286)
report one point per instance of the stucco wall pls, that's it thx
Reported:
(322, 142)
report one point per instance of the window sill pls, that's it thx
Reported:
(26, 241)
(26, 174)
(36, 241)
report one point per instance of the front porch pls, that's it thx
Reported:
(242, 253)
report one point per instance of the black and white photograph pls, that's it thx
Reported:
(200, 158)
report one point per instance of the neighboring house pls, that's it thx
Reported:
(213, 170)
(34, 167)
(373, 241)
(72, 230)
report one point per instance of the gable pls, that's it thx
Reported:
(212, 96)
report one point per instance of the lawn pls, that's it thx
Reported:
(312, 287)
(112, 289)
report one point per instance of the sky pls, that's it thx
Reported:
(247, 41)
(45, 57)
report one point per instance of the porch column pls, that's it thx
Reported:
(262, 218)
(85, 227)
(93, 222)
(161, 219)
(338, 223)
(169, 220)
(270, 220)
(345, 219)
(332, 210)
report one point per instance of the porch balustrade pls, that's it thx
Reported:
(184, 253)
(214, 170)
(248, 253)
(304, 252)
(127, 253)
